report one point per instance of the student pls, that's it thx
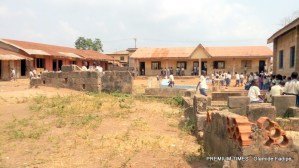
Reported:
(202, 84)
(254, 93)
(237, 79)
(292, 87)
(31, 75)
(242, 79)
(84, 67)
(171, 80)
(13, 74)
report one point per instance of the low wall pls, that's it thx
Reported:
(168, 92)
(72, 77)
(234, 139)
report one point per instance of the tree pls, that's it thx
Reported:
(289, 19)
(88, 44)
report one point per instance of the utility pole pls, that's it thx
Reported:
(135, 40)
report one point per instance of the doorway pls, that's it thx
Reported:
(204, 66)
(262, 66)
(54, 65)
(23, 67)
(59, 65)
(142, 68)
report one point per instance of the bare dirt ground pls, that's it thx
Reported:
(55, 127)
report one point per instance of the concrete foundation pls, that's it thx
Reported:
(282, 103)
(256, 110)
(91, 81)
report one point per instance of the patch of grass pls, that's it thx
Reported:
(171, 114)
(60, 123)
(24, 128)
(139, 124)
(188, 126)
(175, 101)
(92, 120)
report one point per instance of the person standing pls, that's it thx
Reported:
(202, 84)
(292, 87)
(171, 80)
(242, 79)
(237, 79)
(13, 74)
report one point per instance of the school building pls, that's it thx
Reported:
(24, 56)
(211, 59)
(285, 49)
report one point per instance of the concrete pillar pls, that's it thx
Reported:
(199, 66)
(234, 66)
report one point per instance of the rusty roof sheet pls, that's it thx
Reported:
(46, 49)
(178, 52)
(240, 52)
(10, 55)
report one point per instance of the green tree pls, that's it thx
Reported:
(88, 44)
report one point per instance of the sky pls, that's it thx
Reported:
(154, 23)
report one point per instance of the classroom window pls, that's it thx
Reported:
(219, 65)
(182, 64)
(280, 59)
(246, 63)
(122, 58)
(292, 56)
(40, 63)
(156, 65)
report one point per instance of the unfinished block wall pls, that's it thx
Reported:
(91, 81)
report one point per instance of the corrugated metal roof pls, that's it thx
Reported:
(119, 52)
(179, 52)
(241, 51)
(10, 55)
(46, 49)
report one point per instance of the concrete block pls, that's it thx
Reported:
(292, 112)
(238, 101)
(63, 75)
(294, 123)
(282, 103)
(200, 120)
(74, 74)
(223, 96)
(239, 110)
(284, 123)
(35, 82)
(200, 103)
(69, 68)
(256, 110)
(91, 81)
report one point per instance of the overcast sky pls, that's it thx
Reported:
(155, 23)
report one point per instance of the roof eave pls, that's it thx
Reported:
(284, 30)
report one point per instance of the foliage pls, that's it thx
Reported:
(176, 101)
(89, 44)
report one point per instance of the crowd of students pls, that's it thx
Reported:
(275, 84)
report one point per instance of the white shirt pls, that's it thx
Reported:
(171, 78)
(84, 68)
(292, 87)
(203, 83)
(253, 93)
(229, 76)
(237, 77)
(241, 76)
(276, 90)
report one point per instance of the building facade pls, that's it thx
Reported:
(24, 56)
(285, 49)
(245, 59)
